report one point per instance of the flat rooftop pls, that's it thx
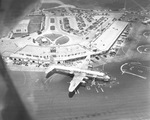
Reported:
(70, 49)
(106, 40)
(22, 24)
(36, 50)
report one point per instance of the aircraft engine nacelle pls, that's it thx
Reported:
(106, 78)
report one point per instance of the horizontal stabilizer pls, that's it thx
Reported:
(49, 74)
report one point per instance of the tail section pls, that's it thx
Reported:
(88, 59)
(86, 62)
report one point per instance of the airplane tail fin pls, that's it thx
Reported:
(52, 60)
(86, 62)
(88, 59)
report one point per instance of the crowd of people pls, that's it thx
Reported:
(26, 62)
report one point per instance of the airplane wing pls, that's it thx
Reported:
(77, 79)
(79, 75)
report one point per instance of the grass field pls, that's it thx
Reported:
(35, 23)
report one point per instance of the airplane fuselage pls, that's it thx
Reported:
(80, 75)
(72, 70)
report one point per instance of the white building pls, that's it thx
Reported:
(109, 37)
(22, 26)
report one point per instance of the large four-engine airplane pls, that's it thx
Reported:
(81, 73)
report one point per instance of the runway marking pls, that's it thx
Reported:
(147, 47)
(121, 68)
(123, 51)
(102, 89)
(124, 71)
(135, 75)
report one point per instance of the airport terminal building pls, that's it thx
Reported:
(100, 46)
(94, 38)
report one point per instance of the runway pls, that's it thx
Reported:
(129, 100)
